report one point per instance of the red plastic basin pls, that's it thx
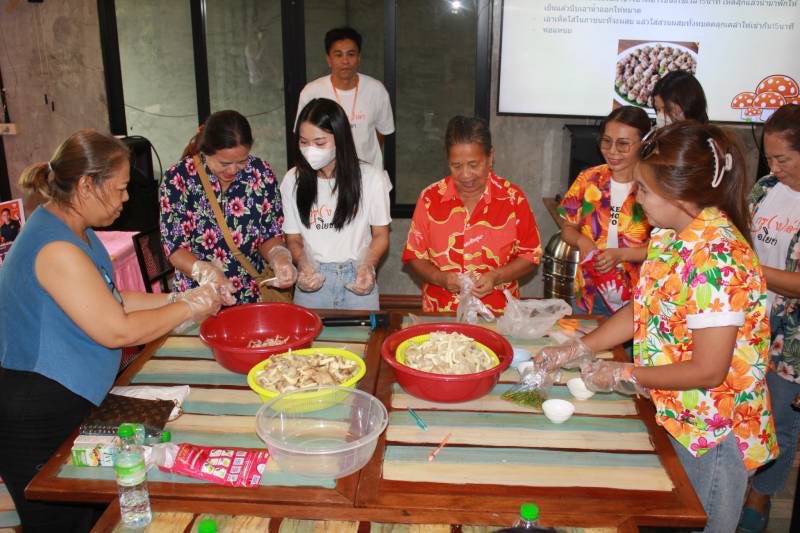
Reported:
(448, 388)
(229, 333)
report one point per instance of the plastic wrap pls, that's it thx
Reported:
(531, 319)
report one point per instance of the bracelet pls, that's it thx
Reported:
(172, 297)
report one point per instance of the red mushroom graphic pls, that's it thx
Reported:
(744, 101)
(751, 114)
(795, 100)
(768, 102)
(778, 83)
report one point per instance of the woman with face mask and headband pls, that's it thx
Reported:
(679, 96)
(336, 211)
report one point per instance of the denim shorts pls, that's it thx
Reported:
(333, 294)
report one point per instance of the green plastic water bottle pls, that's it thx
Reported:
(207, 525)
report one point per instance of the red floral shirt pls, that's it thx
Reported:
(500, 229)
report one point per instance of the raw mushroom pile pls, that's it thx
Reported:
(287, 372)
(277, 340)
(448, 353)
(639, 71)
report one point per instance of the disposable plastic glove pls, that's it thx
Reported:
(280, 261)
(365, 280)
(607, 376)
(568, 355)
(203, 301)
(211, 273)
(309, 279)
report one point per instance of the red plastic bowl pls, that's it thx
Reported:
(448, 388)
(229, 333)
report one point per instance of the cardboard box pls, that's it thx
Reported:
(94, 450)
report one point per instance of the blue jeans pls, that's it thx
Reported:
(333, 294)
(770, 478)
(720, 481)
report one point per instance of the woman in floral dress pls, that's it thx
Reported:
(247, 193)
(698, 318)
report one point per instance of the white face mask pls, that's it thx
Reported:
(318, 157)
(662, 120)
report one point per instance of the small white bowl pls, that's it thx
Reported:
(578, 389)
(520, 356)
(558, 411)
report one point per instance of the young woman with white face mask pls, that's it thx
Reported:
(679, 96)
(336, 211)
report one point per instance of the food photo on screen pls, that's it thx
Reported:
(640, 64)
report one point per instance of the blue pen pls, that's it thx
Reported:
(422, 425)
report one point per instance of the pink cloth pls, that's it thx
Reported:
(127, 275)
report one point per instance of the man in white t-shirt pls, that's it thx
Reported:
(363, 98)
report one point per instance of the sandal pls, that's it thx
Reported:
(753, 521)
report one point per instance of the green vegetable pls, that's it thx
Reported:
(531, 398)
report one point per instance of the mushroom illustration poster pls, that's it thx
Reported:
(584, 57)
(769, 94)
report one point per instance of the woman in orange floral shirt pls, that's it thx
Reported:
(698, 318)
(600, 212)
(472, 222)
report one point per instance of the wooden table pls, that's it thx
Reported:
(367, 496)
(179, 516)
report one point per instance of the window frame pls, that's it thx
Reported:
(294, 70)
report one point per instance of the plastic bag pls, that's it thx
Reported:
(470, 307)
(531, 319)
(533, 387)
(612, 286)
(234, 467)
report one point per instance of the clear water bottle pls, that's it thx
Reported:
(528, 517)
(134, 500)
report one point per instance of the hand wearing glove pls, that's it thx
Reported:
(203, 301)
(280, 261)
(210, 273)
(607, 376)
(365, 280)
(568, 355)
(309, 279)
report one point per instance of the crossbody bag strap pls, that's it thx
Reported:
(226, 232)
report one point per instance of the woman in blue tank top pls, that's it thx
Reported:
(62, 320)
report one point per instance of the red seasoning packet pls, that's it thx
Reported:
(234, 467)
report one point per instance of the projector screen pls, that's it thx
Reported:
(584, 57)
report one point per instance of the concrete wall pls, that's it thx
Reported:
(50, 51)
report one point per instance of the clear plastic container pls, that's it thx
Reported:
(329, 434)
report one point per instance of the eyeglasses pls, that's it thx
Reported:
(623, 145)
(649, 145)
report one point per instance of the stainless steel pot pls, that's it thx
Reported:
(560, 265)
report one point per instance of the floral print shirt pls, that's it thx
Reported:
(784, 317)
(707, 276)
(252, 208)
(588, 205)
(500, 229)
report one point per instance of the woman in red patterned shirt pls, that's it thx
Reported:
(472, 222)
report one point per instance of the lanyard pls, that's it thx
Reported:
(352, 115)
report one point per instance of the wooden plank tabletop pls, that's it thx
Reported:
(179, 517)
(394, 488)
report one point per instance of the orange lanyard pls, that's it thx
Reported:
(352, 115)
